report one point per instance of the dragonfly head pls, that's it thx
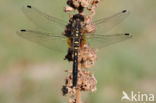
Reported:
(78, 16)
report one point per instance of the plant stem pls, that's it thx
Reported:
(78, 96)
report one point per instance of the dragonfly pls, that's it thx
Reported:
(51, 29)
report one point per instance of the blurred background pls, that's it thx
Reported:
(33, 74)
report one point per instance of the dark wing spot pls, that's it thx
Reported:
(23, 30)
(28, 6)
(124, 11)
(127, 34)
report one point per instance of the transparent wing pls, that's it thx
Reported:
(101, 41)
(44, 21)
(56, 43)
(106, 24)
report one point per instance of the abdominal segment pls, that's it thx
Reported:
(69, 55)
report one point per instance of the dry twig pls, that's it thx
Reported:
(87, 55)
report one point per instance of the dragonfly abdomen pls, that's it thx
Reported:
(76, 44)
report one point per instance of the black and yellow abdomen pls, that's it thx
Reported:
(76, 42)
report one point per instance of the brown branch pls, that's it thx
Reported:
(78, 96)
(87, 55)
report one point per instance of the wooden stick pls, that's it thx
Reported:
(78, 96)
